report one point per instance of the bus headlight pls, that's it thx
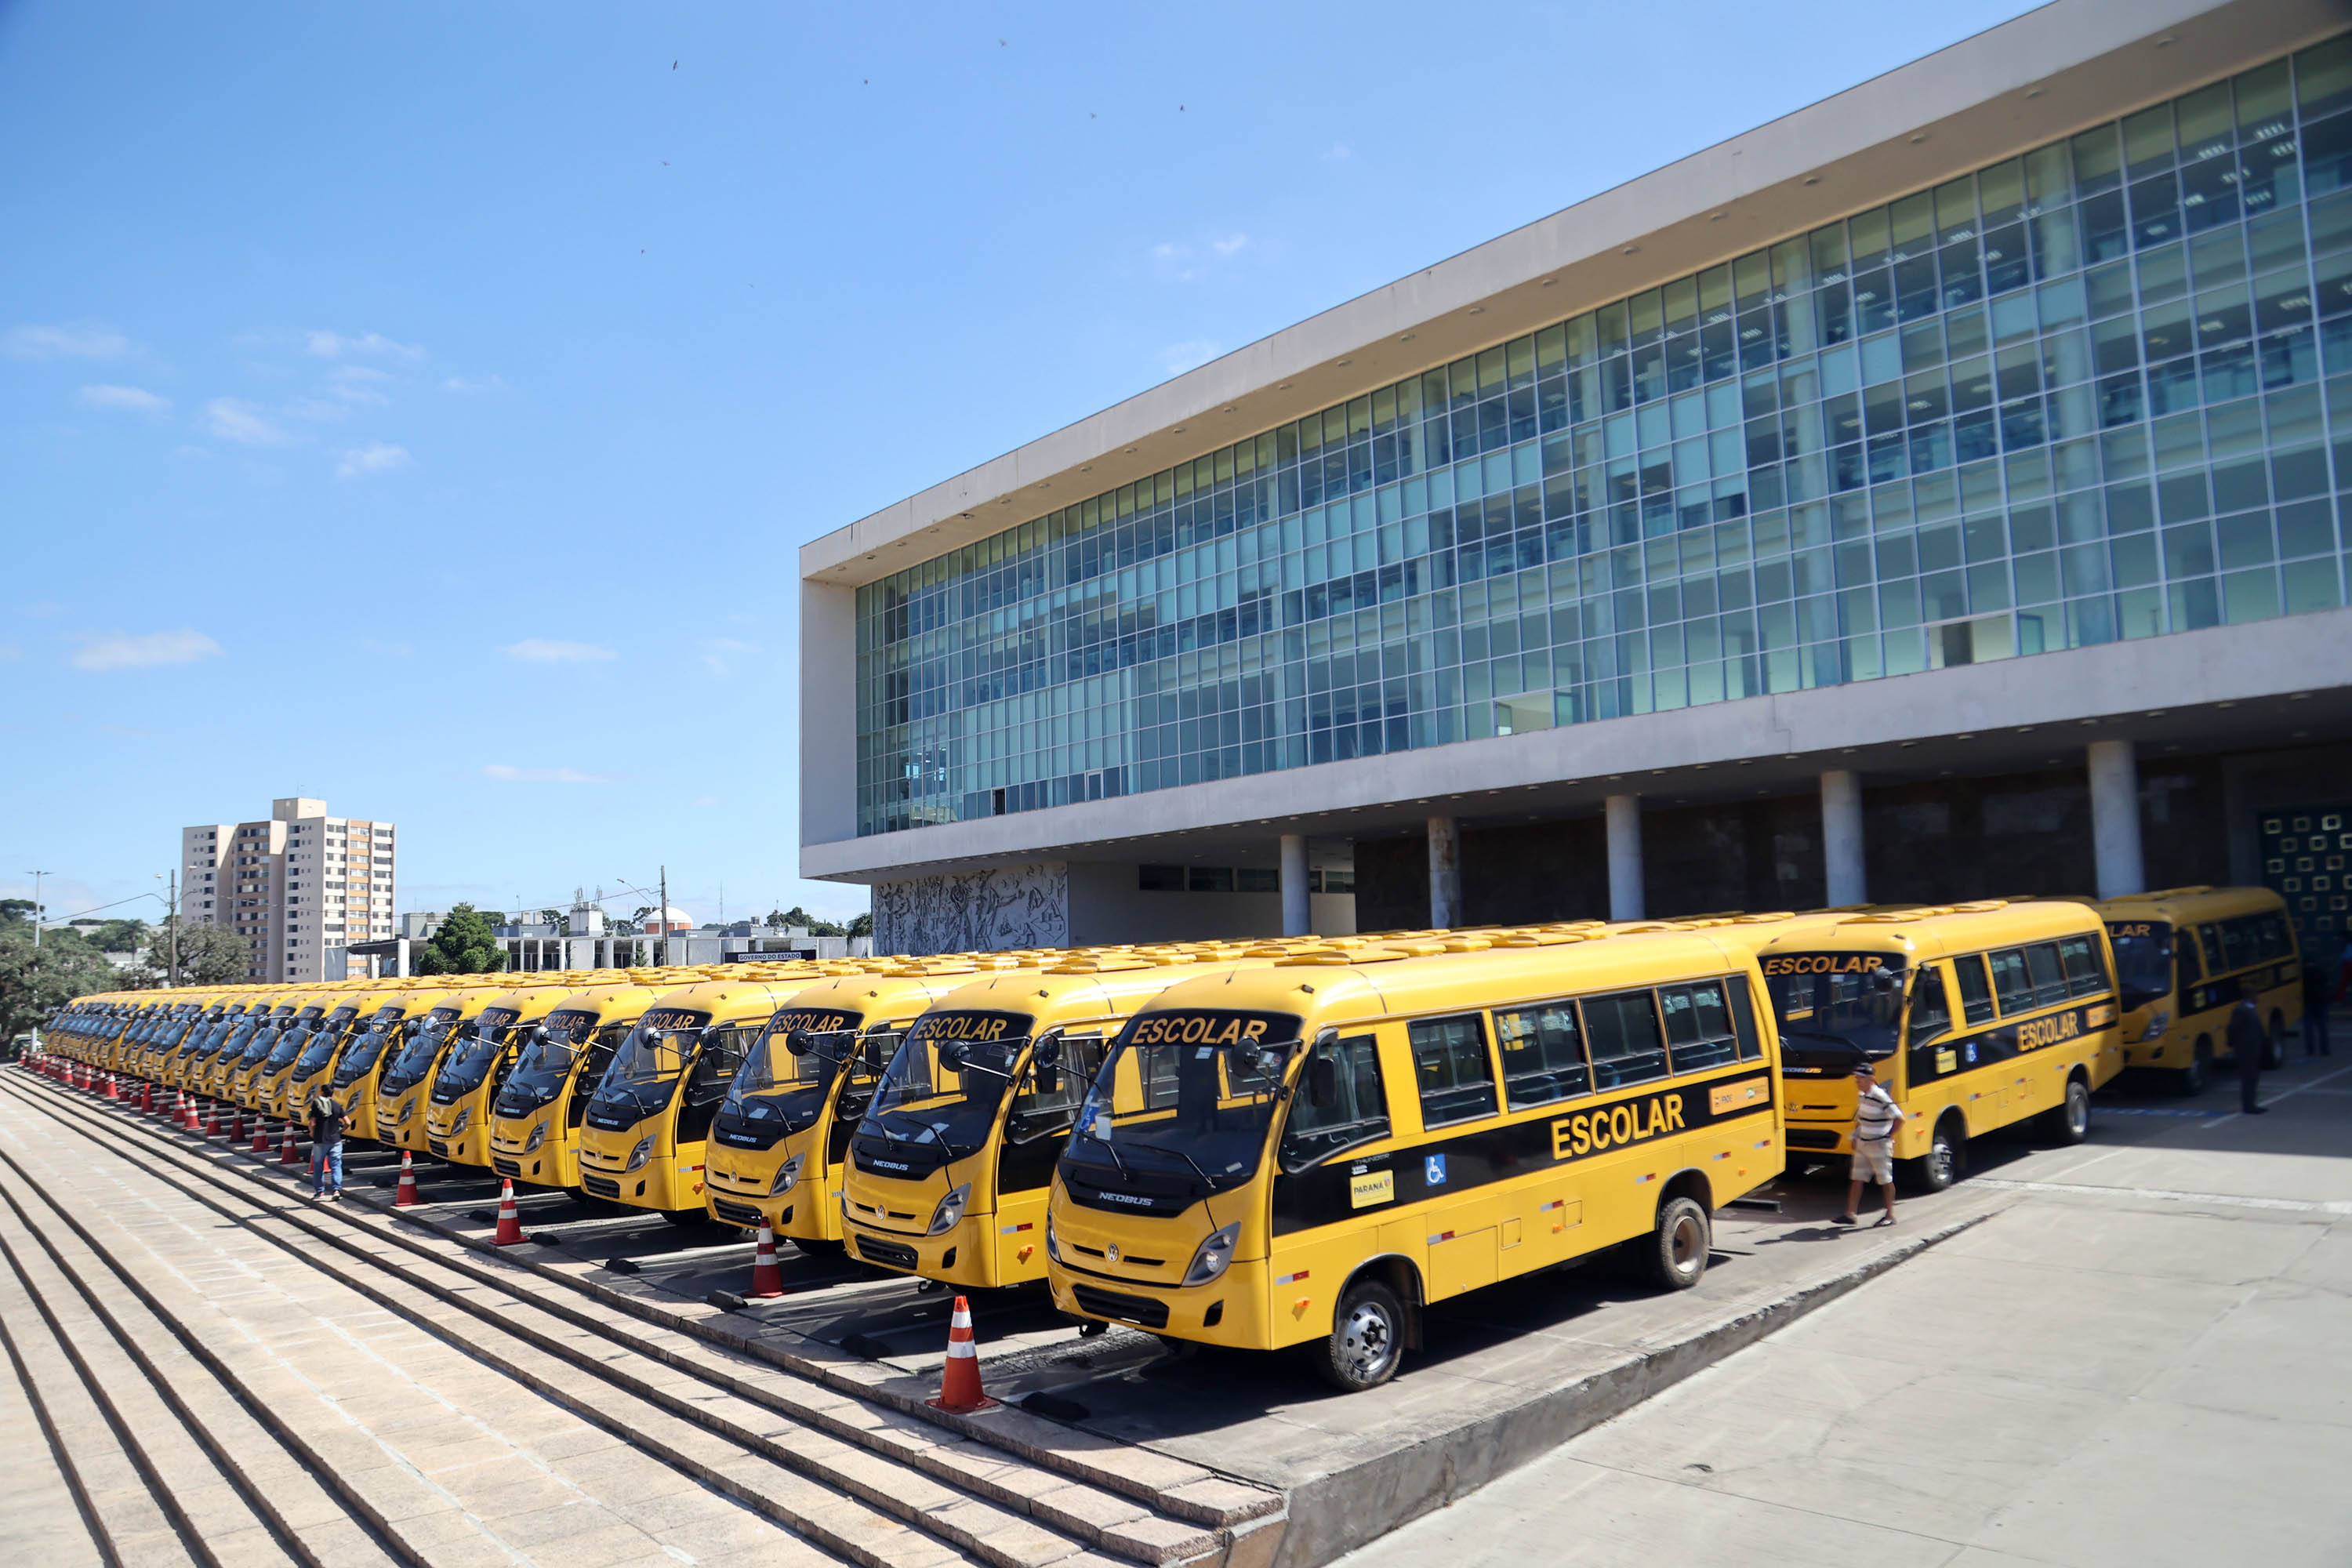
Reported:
(1053, 1249)
(538, 1136)
(1216, 1252)
(787, 1178)
(945, 1217)
(407, 1110)
(640, 1155)
(465, 1120)
(2156, 1026)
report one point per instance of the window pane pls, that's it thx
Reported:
(1931, 1015)
(1622, 1032)
(1543, 1054)
(1359, 1107)
(2049, 976)
(2086, 974)
(1976, 991)
(2010, 982)
(1698, 1025)
(1456, 1078)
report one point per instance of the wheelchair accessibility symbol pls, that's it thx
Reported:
(1434, 1171)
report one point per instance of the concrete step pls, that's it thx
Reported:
(869, 1480)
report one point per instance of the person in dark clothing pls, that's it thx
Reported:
(328, 1119)
(2248, 1041)
(2317, 988)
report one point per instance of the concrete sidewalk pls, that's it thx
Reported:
(2145, 1358)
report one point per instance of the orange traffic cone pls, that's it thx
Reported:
(960, 1393)
(187, 1117)
(767, 1279)
(261, 1134)
(509, 1221)
(286, 1154)
(114, 1088)
(236, 1128)
(405, 1195)
(147, 1098)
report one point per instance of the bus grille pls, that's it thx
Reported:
(1117, 1304)
(889, 1254)
(1812, 1138)
(438, 1146)
(737, 1213)
(507, 1167)
(602, 1186)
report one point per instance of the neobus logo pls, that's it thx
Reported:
(1197, 1029)
(1634, 1122)
(2038, 1032)
(1826, 964)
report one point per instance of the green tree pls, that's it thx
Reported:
(464, 945)
(861, 925)
(209, 955)
(35, 985)
(797, 916)
(119, 936)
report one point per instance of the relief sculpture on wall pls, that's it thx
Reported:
(974, 912)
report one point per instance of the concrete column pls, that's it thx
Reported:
(1444, 873)
(1625, 856)
(1298, 904)
(1842, 837)
(2114, 818)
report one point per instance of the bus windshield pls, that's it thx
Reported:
(258, 1044)
(923, 1100)
(321, 1044)
(289, 1042)
(410, 1065)
(471, 1060)
(645, 1070)
(1836, 1006)
(1189, 1094)
(545, 1064)
(773, 1083)
(2143, 960)
(369, 1045)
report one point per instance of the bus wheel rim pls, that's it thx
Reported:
(1367, 1340)
(1683, 1243)
(1940, 1156)
(2078, 1108)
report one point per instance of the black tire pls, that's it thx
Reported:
(1674, 1256)
(818, 1248)
(1947, 1159)
(2274, 1045)
(1367, 1338)
(2197, 1077)
(686, 1220)
(2069, 1121)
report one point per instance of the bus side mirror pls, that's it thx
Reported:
(1322, 1083)
(798, 1043)
(952, 1054)
(877, 1048)
(1047, 1053)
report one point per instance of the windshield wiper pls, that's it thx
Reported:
(1106, 1143)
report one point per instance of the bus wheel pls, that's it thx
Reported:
(2275, 1048)
(1367, 1338)
(2191, 1080)
(1676, 1255)
(2070, 1123)
(1947, 1158)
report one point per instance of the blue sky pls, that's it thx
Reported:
(420, 406)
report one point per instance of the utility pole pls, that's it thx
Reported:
(36, 877)
(665, 915)
(174, 918)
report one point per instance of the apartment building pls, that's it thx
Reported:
(299, 887)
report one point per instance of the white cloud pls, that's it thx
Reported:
(234, 419)
(1340, 152)
(144, 650)
(1178, 358)
(549, 650)
(508, 773)
(708, 802)
(719, 654)
(334, 345)
(473, 383)
(1180, 262)
(66, 342)
(373, 458)
(130, 399)
(1233, 244)
(318, 411)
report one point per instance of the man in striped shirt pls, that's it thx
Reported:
(1875, 1118)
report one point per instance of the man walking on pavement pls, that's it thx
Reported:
(327, 1120)
(2248, 1041)
(1876, 1116)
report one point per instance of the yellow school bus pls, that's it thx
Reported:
(404, 1082)
(2181, 955)
(457, 1099)
(375, 1043)
(781, 1136)
(1308, 1154)
(948, 1168)
(1976, 1015)
(535, 1119)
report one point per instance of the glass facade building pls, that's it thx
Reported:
(2100, 391)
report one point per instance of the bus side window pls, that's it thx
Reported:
(2217, 957)
(2238, 943)
(2184, 953)
(1743, 1018)
(2049, 976)
(1931, 1015)
(1457, 1075)
(1340, 1102)
(1622, 1031)
(1698, 1027)
(1543, 1054)
(1976, 991)
(2086, 974)
(2010, 982)
(2272, 938)
(1054, 1107)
